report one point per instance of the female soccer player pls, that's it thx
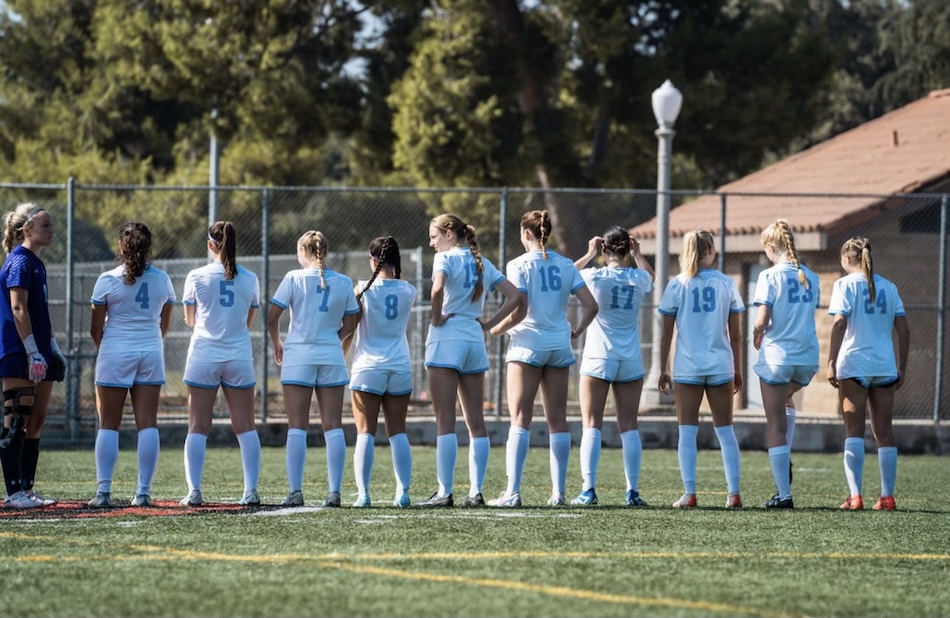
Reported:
(862, 366)
(612, 358)
(381, 375)
(323, 312)
(221, 300)
(131, 311)
(456, 357)
(704, 306)
(540, 353)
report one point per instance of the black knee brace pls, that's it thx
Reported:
(13, 406)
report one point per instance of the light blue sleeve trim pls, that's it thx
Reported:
(846, 314)
(351, 312)
(102, 303)
(737, 310)
(278, 303)
(666, 312)
(494, 283)
(578, 286)
(190, 303)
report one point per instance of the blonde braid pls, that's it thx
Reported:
(789, 241)
(479, 268)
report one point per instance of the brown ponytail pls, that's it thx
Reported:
(225, 239)
(135, 247)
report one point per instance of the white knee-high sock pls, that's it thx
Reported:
(195, 448)
(478, 451)
(887, 461)
(590, 457)
(729, 447)
(147, 453)
(778, 460)
(446, 454)
(686, 453)
(336, 457)
(632, 456)
(560, 445)
(790, 425)
(364, 455)
(516, 452)
(107, 454)
(402, 461)
(854, 464)
(250, 443)
(296, 457)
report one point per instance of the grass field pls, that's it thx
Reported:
(535, 561)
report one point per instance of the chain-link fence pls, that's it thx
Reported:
(909, 234)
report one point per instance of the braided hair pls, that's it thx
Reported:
(617, 241)
(385, 251)
(314, 244)
(538, 222)
(780, 235)
(463, 231)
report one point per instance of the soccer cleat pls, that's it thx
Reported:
(506, 500)
(475, 501)
(251, 498)
(853, 503)
(557, 500)
(402, 501)
(141, 500)
(103, 500)
(733, 501)
(192, 499)
(332, 500)
(294, 498)
(437, 501)
(588, 497)
(776, 502)
(43, 500)
(362, 501)
(686, 501)
(885, 503)
(19, 500)
(634, 499)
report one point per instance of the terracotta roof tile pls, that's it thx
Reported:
(900, 152)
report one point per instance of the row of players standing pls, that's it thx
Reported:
(221, 300)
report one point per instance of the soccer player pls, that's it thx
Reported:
(540, 353)
(612, 358)
(456, 356)
(381, 375)
(30, 359)
(704, 306)
(323, 312)
(784, 334)
(131, 311)
(862, 366)
(221, 300)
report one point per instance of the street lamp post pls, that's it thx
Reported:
(667, 101)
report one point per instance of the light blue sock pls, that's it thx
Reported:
(147, 451)
(107, 454)
(336, 457)
(729, 447)
(478, 451)
(250, 443)
(516, 452)
(446, 454)
(560, 446)
(854, 464)
(402, 461)
(590, 457)
(686, 453)
(296, 457)
(778, 460)
(195, 447)
(632, 456)
(887, 461)
(363, 457)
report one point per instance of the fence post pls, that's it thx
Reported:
(72, 381)
(265, 273)
(941, 305)
(500, 344)
(722, 232)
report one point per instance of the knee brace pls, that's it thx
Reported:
(13, 406)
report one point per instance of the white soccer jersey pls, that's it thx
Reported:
(790, 338)
(549, 284)
(133, 312)
(702, 305)
(316, 315)
(221, 308)
(868, 348)
(459, 268)
(381, 337)
(615, 332)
